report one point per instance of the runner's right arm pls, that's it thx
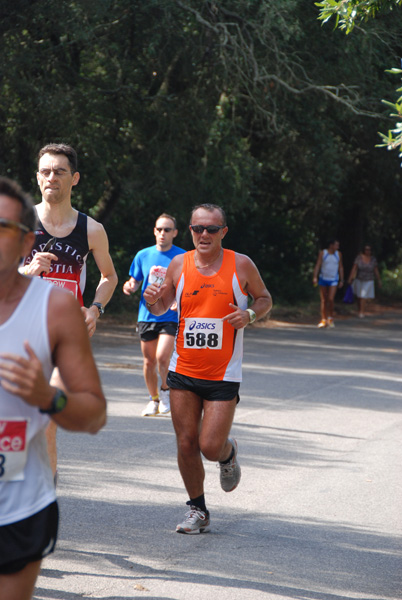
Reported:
(160, 298)
(317, 267)
(71, 351)
(131, 286)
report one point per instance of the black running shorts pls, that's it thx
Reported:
(28, 540)
(205, 388)
(151, 331)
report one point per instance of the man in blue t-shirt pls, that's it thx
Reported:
(156, 333)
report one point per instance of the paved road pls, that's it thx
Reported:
(317, 515)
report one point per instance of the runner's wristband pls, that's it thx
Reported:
(252, 314)
(149, 304)
(99, 307)
(58, 404)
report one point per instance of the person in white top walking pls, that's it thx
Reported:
(328, 274)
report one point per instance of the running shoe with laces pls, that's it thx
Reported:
(230, 472)
(151, 409)
(164, 402)
(331, 322)
(322, 323)
(196, 521)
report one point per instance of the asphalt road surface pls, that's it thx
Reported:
(318, 512)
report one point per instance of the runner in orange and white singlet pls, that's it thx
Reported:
(211, 287)
(207, 347)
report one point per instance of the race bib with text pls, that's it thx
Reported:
(13, 448)
(67, 284)
(205, 333)
(157, 275)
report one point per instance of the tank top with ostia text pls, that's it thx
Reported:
(69, 271)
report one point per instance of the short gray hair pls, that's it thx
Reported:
(210, 208)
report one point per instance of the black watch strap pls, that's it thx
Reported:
(99, 306)
(58, 404)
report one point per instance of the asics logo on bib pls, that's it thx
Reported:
(201, 325)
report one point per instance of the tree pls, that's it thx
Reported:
(175, 102)
(349, 12)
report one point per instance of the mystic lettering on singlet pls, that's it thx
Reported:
(70, 261)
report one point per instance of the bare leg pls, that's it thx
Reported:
(163, 353)
(20, 586)
(195, 434)
(51, 438)
(186, 410)
(148, 350)
(51, 430)
(215, 430)
(330, 301)
(323, 302)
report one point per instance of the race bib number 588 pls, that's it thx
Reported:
(203, 333)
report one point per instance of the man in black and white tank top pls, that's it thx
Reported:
(75, 235)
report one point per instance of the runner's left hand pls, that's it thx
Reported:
(238, 319)
(24, 377)
(90, 316)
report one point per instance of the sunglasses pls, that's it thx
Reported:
(165, 229)
(57, 172)
(209, 228)
(7, 225)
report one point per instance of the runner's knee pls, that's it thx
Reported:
(212, 449)
(187, 445)
(150, 362)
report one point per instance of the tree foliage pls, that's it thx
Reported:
(171, 103)
(349, 12)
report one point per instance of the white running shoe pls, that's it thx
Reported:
(196, 521)
(151, 409)
(230, 472)
(164, 402)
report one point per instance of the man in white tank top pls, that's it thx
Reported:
(41, 326)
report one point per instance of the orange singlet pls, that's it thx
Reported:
(207, 347)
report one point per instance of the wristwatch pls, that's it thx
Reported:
(252, 314)
(99, 307)
(58, 404)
